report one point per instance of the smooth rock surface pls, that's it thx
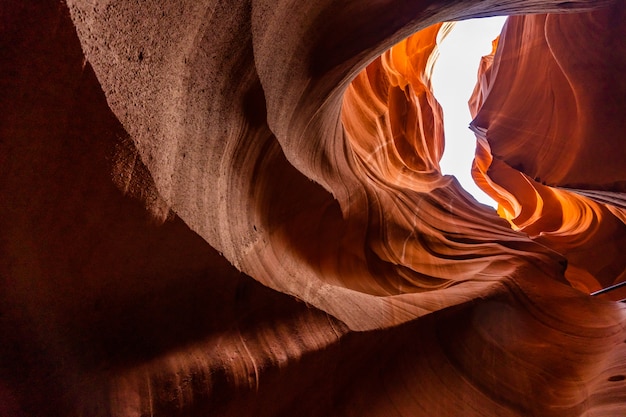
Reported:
(208, 208)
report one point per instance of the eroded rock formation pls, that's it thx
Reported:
(208, 209)
(538, 153)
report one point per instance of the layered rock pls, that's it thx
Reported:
(539, 142)
(208, 210)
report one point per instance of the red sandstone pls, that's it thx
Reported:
(237, 210)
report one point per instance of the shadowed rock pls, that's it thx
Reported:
(236, 209)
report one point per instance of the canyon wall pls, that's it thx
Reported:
(236, 209)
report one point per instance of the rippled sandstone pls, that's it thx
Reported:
(210, 210)
(553, 156)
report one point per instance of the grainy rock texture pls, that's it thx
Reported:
(235, 208)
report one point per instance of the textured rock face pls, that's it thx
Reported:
(208, 209)
(553, 156)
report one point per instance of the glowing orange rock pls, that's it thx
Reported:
(203, 216)
(590, 234)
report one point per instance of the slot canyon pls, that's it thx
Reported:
(236, 208)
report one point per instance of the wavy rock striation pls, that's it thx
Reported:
(568, 200)
(236, 208)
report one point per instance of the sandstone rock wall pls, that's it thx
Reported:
(208, 209)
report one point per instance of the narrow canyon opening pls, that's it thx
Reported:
(407, 115)
(453, 80)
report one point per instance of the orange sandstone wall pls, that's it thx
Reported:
(550, 151)
(208, 209)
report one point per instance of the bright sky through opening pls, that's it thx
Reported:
(453, 80)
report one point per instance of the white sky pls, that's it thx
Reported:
(453, 80)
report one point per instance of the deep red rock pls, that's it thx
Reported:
(208, 209)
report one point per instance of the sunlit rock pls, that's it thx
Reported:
(537, 140)
(209, 209)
